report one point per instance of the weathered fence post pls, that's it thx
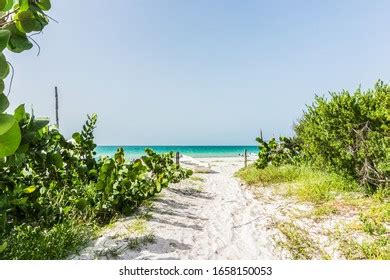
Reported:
(246, 158)
(56, 95)
(177, 158)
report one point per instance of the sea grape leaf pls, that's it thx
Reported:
(6, 122)
(23, 5)
(18, 44)
(4, 38)
(57, 160)
(45, 5)
(10, 136)
(4, 103)
(40, 123)
(6, 5)
(4, 67)
(2, 86)
(77, 137)
(3, 3)
(16, 159)
(19, 113)
(18, 41)
(26, 22)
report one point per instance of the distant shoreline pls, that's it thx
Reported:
(212, 151)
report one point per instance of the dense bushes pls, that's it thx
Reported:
(49, 182)
(347, 133)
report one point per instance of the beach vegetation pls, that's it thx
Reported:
(347, 134)
(338, 161)
(55, 191)
(298, 242)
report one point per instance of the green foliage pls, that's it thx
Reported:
(377, 249)
(46, 182)
(272, 152)
(27, 242)
(305, 183)
(18, 18)
(49, 180)
(350, 134)
(122, 186)
(374, 220)
(9, 135)
(269, 175)
(298, 243)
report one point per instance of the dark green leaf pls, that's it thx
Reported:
(20, 113)
(4, 38)
(24, 5)
(4, 67)
(4, 103)
(44, 5)
(6, 5)
(10, 135)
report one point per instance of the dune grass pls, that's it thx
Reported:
(302, 182)
(330, 194)
(57, 242)
(299, 243)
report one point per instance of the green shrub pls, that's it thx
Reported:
(282, 152)
(29, 242)
(45, 180)
(49, 180)
(349, 134)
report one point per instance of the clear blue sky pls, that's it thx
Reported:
(199, 72)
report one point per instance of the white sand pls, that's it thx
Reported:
(216, 218)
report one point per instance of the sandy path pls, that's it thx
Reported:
(209, 218)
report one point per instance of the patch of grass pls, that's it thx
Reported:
(148, 204)
(27, 242)
(323, 211)
(196, 178)
(270, 175)
(373, 227)
(138, 226)
(133, 243)
(302, 182)
(298, 242)
(368, 215)
(137, 242)
(318, 186)
(378, 249)
(374, 219)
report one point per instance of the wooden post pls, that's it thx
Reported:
(246, 158)
(56, 95)
(177, 158)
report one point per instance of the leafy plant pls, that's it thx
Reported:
(52, 188)
(273, 152)
(49, 180)
(350, 134)
(18, 18)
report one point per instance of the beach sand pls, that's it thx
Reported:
(209, 216)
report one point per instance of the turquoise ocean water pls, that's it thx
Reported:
(192, 151)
